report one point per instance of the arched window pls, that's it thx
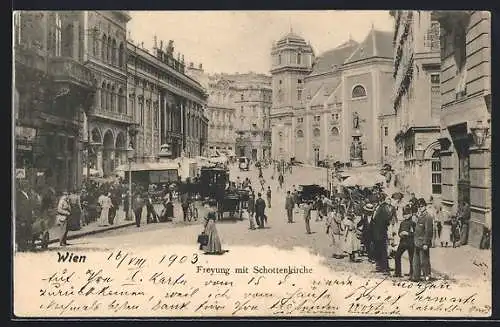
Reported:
(279, 59)
(108, 98)
(109, 49)
(436, 172)
(358, 92)
(113, 99)
(95, 45)
(132, 106)
(121, 56)
(121, 104)
(335, 131)
(317, 132)
(103, 95)
(114, 53)
(299, 58)
(104, 51)
(300, 134)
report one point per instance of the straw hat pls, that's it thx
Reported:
(368, 207)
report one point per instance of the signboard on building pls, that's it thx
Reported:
(25, 133)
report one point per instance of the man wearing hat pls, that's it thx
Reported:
(63, 214)
(365, 224)
(423, 240)
(380, 224)
(406, 240)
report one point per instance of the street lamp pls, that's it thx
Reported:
(479, 133)
(130, 157)
(419, 153)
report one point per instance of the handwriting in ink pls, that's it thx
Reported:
(121, 258)
(175, 258)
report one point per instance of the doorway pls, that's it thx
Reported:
(316, 156)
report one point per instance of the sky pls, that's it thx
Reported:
(240, 41)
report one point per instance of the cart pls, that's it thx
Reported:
(231, 204)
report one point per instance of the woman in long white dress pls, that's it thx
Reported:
(105, 203)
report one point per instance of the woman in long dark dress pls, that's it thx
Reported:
(214, 244)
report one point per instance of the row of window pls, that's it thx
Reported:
(317, 118)
(317, 132)
(163, 76)
(111, 99)
(297, 59)
(108, 49)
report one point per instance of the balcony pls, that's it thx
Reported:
(111, 115)
(67, 70)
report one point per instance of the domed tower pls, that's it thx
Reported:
(292, 60)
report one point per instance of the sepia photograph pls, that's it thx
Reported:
(274, 164)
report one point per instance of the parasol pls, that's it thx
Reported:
(364, 179)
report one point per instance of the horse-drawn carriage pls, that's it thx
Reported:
(213, 185)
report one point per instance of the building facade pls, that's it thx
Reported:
(321, 105)
(417, 102)
(108, 121)
(238, 110)
(53, 89)
(167, 105)
(465, 114)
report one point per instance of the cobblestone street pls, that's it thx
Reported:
(281, 235)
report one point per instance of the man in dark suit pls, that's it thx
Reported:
(423, 239)
(289, 205)
(260, 207)
(24, 216)
(406, 240)
(380, 223)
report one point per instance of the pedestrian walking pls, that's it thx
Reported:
(214, 244)
(281, 180)
(105, 203)
(351, 243)
(334, 230)
(423, 240)
(63, 215)
(289, 206)
(137, 206)
(184, 205)
(251, 210)
(74, 221)
(443, 219)
(406, 233)
(380, 224)
(262, 183)
(306, 209)
(463, 216)
(260, 208)
(268, 196)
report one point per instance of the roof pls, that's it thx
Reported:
(376, 44)
(325, 91)
(335, 57)
(291, 36)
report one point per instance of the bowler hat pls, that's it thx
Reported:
(421, 202)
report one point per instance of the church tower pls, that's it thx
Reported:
(292, 60)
